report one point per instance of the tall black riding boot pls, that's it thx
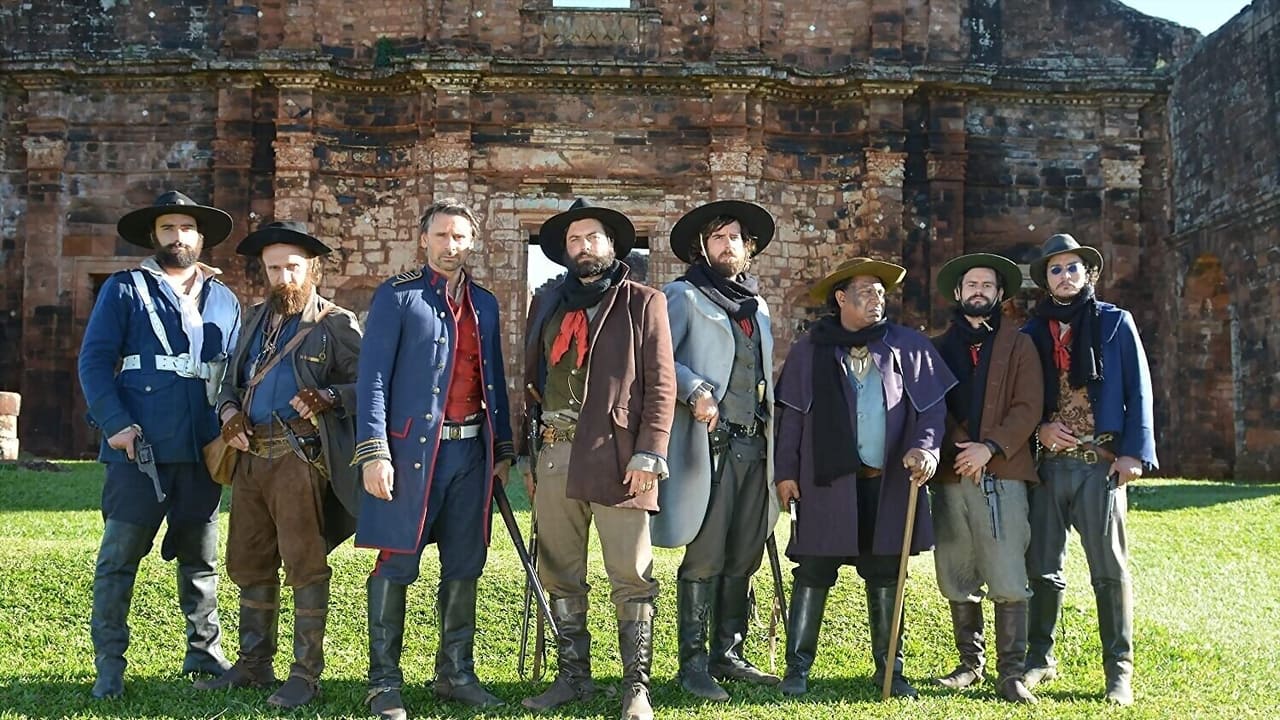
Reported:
(386, 640)
(455, 659)
(807, 607)
(1115, 628)
(1042, 619)
(732, 616)
(196, 549)
(635, 644)
(880, 616)
(966, 626)
(1011, 651)
(123, 547)
(696, 600)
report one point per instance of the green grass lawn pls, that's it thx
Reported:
(1207, 630)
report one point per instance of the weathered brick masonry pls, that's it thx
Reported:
(907, 129)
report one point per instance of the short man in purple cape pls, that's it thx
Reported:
(860, 415)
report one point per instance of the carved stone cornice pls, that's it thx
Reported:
(44, 153)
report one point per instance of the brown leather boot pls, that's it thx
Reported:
(311, 608)
(259, 623)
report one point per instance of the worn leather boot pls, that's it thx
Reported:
(1115, 628)
(695, 599)
(732, 615)
(966, 626)
(455, 660)
(635, 644)
(1042, 619)
(196, 548)
(880, 615)
(1011, 651)
(259, 624)
(310, 611)
(807, 607)
(386, 639)
(123, 547)
(573, 653)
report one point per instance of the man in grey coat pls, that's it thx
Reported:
(723, 348)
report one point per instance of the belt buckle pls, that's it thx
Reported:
(1089, 456)
(452, 432)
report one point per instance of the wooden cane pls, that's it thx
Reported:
(895, 626)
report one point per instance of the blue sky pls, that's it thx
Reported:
(1203, 15)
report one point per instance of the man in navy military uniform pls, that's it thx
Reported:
(432, 434)
(169, 324)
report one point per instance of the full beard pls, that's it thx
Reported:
(979, 307)
(585, 266)
(728, 266)
(177, 256)
(290, 298)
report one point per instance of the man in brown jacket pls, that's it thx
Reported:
(286, 405)
(980, 492)
(598, 354)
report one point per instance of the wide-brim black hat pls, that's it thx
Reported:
(950, 274)
(551, 236)
(889, 274)
(1057, 245)
(136, 227)
(284, 232)
(756, 222)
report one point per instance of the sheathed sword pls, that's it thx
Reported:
(1113, 484)
(145, 458)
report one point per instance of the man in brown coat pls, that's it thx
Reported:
(286, 405)
(598, 353)
(980, 492)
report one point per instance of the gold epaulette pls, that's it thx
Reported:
(408, 276)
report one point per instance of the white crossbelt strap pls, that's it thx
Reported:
(183, 364)
(157, 327)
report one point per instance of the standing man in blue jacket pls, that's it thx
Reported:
(723, 344)
(169, 324)
(1097, 425)
(432, 436)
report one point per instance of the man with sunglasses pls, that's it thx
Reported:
(723, 342)
(286, 405)
(1096, 436)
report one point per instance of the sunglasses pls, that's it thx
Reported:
(1069, 268)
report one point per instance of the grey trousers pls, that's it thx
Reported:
(966, 555)
(1072, 494)
(562, 538)
(731, 540)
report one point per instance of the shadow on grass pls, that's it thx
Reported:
(1179, 495)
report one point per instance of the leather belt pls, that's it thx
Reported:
(869, 473)
(1086, 452)
(744, 431)
(269, 440)
(460, 432)
(181, 365)
(552, 434)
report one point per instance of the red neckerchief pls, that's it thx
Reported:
(573, 327)
(1061, 345)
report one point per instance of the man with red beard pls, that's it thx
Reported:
(286, 405)
(723, 342)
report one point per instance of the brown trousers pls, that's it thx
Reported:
(277, 515)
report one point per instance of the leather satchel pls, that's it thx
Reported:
(220, 457)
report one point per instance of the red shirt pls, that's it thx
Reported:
(465, 395)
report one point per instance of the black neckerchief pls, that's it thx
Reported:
(965, 400)
(737, 296)
(577, 295)
(1085, 319)
(835, 454)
